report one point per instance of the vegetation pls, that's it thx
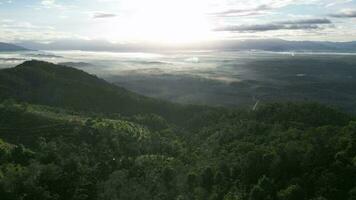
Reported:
(58, 150)
(56, 85)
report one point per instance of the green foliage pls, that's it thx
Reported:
(45, 83)
(75, 156)
(146, 149)
(292, 192)
(263, 190)
(352, 194)
(207, 179)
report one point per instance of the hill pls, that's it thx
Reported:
(11, 47)
(282, 151)
(73, 136)
(57, 85)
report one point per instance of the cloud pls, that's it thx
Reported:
(335, 3)
(265, 27)
(103, 15)
(50, 4)
(307, 21)
(12, 30)
(345, 14)
(226, 8)
(305, 24)
(6, 1)
(243, 12)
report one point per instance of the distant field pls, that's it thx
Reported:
(328, 79)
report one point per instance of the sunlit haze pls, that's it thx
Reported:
(176, 21)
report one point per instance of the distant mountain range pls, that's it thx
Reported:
(284, 45)
(11, 47)
(277, 45)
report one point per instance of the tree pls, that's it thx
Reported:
(207, 179)
(21, 155)
(257, 193)
(352, 194)
(267, 185)
(191, 181)
(168, 176)
(263, 190)
(293, 192)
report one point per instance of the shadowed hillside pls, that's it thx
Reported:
(56, 85)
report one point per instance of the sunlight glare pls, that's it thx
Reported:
(173, 21)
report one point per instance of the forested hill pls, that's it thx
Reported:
(62, 140)
(57, 85)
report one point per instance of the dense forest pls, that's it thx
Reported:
(68, 135)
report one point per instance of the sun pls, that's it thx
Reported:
(167, 21)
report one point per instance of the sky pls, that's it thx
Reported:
(176, 21)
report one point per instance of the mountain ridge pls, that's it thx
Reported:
(49, 84)
(229, 45)
(11, 47)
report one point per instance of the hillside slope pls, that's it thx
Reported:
(56, 85)
(282, 151)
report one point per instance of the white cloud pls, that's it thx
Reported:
(97, 15)
(48, 2)
(226, 5)
(53, 4)
(347, 13)
(12, 30)
(5, 1)
(336, 2)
